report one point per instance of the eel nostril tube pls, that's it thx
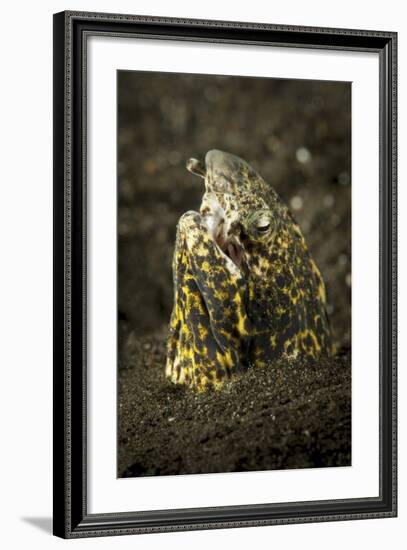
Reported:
(196, 167)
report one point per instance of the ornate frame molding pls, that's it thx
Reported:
(71, 30)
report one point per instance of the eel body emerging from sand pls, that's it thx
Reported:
(246, 290)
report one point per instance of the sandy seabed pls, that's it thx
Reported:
(286, 415)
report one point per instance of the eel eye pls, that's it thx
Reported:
(260, 223)
(263, 229)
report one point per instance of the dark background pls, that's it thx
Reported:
(297, 135)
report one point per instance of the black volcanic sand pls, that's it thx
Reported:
(292, 415)
(297, 135)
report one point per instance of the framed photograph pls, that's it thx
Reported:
(224, 274)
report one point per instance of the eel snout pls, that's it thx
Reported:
(220, 171)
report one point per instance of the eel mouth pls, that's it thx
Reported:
(227, 241)
(219, 211)
(234, 250)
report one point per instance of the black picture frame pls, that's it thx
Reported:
(71, 518)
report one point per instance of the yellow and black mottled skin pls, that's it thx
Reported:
(246, 290)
